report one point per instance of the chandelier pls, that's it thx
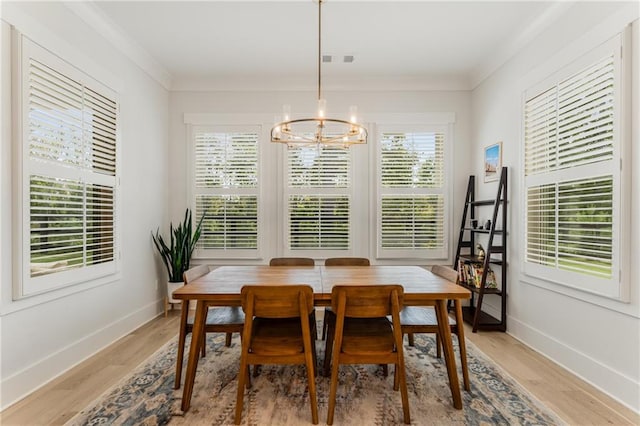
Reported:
(320, 130)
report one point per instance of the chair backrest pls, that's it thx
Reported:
(367, 301)
(277, 301)
(195, 273)
(292, 261)
(347, 261)
(445, 272)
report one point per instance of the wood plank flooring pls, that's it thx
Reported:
(572, 399)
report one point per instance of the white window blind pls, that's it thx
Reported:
(412, 198)
(318, 199)
(572, 176)
(70, 175)
(225, 189)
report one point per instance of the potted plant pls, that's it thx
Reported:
(176, 255)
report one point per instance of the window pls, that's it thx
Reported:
(412, 197)
(572, 135)
(69, 174)
(318, 199)
(225, 189)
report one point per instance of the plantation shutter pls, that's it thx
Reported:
(70, 173)
(571, 177)
(318, 198)
(226, 189)
(412, 194)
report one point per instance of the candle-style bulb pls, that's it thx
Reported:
(322, 108)
(353, 114)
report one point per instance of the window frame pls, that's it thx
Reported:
(24, 285)
(616, 288)
(194, 126)
(438, 123)
(321, 192)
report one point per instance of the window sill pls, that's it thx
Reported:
(619, 306)
(11, 306)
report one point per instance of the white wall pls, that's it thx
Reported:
(269, 104)
(39, 338)
(596, 338)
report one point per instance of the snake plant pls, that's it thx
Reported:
(176, 255)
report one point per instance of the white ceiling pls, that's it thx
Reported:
(272, 45)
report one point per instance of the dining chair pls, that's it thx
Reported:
(225, 319)
(329, 315)
(347, 261)
(278, 328)
(292, 261)
(417, 319)
(364, 335)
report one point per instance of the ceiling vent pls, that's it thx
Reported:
(347, 59)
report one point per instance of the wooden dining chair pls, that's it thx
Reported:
(329, 315)
(417, 319)
(347, 261)
(292, 261)
(225, 319)
(278, 328)
(364, 335)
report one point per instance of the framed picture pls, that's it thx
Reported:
(492, 162)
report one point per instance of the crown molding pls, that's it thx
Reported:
(511, 47)
(296, 83)
(97, 20)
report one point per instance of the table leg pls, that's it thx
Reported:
(449, 357)
(463, 345)
(192, 364)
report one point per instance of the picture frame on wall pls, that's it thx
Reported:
(492, 162)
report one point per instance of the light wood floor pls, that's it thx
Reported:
(572, 399)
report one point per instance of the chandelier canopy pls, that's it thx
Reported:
(319, 130)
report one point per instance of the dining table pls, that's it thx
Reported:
(222, 287)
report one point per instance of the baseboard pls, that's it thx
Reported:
(601, 376)
(20, 384)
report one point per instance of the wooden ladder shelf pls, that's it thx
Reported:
(495, 237)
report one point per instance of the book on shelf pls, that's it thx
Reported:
(462, 277)
(468, 268)
(490, 281)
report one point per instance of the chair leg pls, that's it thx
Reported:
(328, 323)
(385, 370)
(256, 370)
(438, 346)
(327, 353)
(311, 377)
(396, 379)
(410, 337)
(203, 343)
(403, 390)
(248, 377)
(332, 392)
(242, 377)
(227, 340)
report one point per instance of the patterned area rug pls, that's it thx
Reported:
(279, 394)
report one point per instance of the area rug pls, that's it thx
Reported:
(279, 395)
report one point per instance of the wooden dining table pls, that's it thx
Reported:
(222, 286)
